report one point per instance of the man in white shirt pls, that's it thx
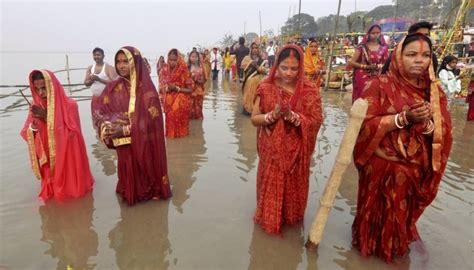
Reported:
(271, 50)
(216, 63)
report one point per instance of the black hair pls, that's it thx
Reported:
(241, 40)
(173, 52)
(189, 59)
(99, 50)
(414, 37)
(448, 59)
(37, 75)
(423, 24)
(285, 53)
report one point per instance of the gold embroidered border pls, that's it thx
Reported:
(133, 83)
(50, 120)
(32, 149)
(122, 141)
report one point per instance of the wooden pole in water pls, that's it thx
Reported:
(331, 49)
(343, 159)
(67, 71)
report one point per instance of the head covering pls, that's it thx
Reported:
(312, 63)
(300, 79)
(366, 37)
(135, 101)
(69, 172)
(398, 73)
(57, 106)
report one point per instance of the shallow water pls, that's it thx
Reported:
(207, 224)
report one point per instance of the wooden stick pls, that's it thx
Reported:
(21, 92)
(343, 159)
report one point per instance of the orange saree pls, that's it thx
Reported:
(177, 106)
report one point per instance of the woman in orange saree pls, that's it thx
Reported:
(401, 151)
(313, 64)
(288, 114)
(129, 119)
(198, 75)
(55, 142)
(177, 84)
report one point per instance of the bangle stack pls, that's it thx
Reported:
(362, 66)
(295, 119)
(33, 129)
(269, 118)
(429, 128)
(126, 130)
(401, 120)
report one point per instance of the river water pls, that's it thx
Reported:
(207, 224)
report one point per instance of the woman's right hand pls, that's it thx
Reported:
(276, 113)
(419, 113)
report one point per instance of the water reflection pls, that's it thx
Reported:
(140, 238)
(105, 156)
(186, 159)
(68, 230)
(246, 135)
(276, 252)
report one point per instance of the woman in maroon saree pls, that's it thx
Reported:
(129, 119)
(401, 152)
(288, 114)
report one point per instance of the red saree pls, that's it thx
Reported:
(285, 152)
(142, 166)
(57, 150)
(400, 170)
(198, 92)
(470, 101)
(177, 105)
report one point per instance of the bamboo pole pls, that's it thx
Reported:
(331, 49)
(343, 159)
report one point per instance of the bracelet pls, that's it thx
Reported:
(295, 119)
(126, 130)
(269, 118)
(429, 128)
(179, 88)
(33, 129)
(403, 119)
(397, 124)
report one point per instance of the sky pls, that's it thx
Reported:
(151, 26)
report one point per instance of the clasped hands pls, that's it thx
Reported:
(287, 114)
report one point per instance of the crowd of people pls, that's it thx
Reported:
(401, 152)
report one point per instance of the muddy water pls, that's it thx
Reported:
(208, 222)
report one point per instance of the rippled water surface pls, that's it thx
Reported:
(207, 224)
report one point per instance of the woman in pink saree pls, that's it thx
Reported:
(56, 146)
(368, 59)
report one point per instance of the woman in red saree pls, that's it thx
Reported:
(288, 114)
(177, 84)
(198, 75)
(470, 101)
(129, 119)
(368, 59)
(56, 146)
(401, 152)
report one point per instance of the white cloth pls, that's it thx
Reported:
(216, 60)
(271, 50)
(97, 87)
(450, 83)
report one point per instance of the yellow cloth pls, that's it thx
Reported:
(312, 63)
